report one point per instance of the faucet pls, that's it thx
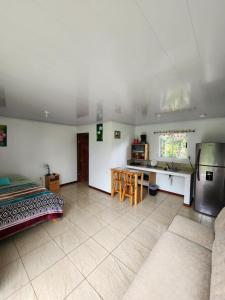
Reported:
(170, 167)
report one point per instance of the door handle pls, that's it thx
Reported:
(198, 175)
(197, 164)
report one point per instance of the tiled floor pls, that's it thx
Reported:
(92, 253)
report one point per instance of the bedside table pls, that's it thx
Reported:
(52, 182)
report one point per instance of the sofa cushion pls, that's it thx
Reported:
(176, 269)
(217, 289)
(193, 231)
(220, 221)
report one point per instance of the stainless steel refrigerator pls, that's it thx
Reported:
(210, 178)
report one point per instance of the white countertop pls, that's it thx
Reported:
(179, 173)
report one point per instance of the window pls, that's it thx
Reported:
(173, 145)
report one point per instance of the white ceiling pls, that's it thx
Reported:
(121, 60)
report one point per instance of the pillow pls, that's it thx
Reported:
(5, 181)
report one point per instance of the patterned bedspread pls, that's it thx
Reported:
(24, 205)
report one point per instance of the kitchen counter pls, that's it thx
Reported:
(186, 175)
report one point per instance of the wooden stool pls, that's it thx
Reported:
(116, 182)
(128, 186)
(141, 177)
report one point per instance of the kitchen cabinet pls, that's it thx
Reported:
(170, 183)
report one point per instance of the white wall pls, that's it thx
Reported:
(32, 144)
(107, 154)
(207, 130)
(121, 148)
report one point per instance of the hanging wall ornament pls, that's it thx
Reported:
(99, 132)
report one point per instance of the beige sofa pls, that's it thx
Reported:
(187, 263)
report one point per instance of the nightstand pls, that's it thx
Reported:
(52, 182)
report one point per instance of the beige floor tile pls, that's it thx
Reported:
(141, 209)
(42, 258)
(119, 207)
(158, 199)
(164, 219)
(77, 214)
(71, 239)
(57, 227)
(83, 292)
(108, 216)
(125, 224)
(83, 202)
(12, 278)
(95, 208)
(8, 252)
(136, 217)
(190, 213)
(104, 200)
(25, 293)
(87, 256)
(147, 235)
(111, 279)
(109, 238)
(58, 281)
(172, 202)
(207, 221)
(165, 211)
(90, 225)
(131, 253)
(91, 211)
(154, 225)
(30, 239)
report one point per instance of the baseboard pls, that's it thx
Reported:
(72, 182)
(171, 193)
(92, 187)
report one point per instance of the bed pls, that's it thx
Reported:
(24, 203)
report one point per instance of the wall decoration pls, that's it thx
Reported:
(117, 134)
(3, 135)
(99, 132)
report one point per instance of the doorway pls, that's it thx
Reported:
(83, 157)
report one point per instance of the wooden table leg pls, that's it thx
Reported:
(112, 183)
(120, 186)
(142, 175)
(135, 189)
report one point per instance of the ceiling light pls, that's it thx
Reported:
(202, 115)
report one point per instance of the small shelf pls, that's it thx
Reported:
(140, 151)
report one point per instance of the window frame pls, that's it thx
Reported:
(173, 157)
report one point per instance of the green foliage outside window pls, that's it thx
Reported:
(173, 145)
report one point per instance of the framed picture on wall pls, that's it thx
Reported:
(99, 132)
(117, 134)
(3, 135)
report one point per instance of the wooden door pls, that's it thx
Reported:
(82, 156)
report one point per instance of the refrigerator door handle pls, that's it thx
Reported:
(197, 164)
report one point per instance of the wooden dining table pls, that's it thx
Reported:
(138, 179)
